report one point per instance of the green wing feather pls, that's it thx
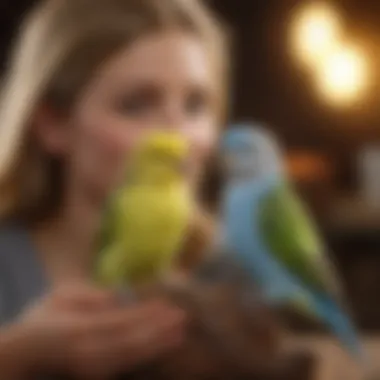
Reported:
(107, 234)
(291, 236)
(108, 226)
(111, 214)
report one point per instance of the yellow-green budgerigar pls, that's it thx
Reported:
(147, 217)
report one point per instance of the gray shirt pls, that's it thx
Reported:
(22, 279)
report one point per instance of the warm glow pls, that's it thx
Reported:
(343, 76)
(315, 32)
(308, 166)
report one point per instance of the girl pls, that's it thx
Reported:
(86, 79)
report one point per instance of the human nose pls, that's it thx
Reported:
(172, 116)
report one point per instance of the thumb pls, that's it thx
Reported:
(83, 296)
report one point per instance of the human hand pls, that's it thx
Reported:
(85, 332)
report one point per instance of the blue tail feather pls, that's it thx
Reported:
(340, 324)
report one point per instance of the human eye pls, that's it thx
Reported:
(198, 102)
(139, 102)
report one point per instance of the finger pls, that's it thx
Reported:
(151, 331)
(144, 343)
(139, 342)
(156, 333)
(140, 324)
(120, 321)
(79, 289)
(148, 343)
(151, 310)
(82, 296)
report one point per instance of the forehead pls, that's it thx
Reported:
(164, 58)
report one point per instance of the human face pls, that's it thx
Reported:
(161, 81)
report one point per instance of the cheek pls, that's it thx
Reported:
(202, 138)
(101, 148)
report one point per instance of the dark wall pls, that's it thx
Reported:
(271, 87)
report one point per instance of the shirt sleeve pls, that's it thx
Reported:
(2, 302)
(5, 290)
(5, 293)
(22, 279)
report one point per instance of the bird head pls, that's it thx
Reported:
(249, 151)
(161, 158)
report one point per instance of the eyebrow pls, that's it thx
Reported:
(134, 80)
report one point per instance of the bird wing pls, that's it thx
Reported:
(289, 233)
(109, 233)
(108, 224)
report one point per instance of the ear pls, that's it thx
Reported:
(51, 130)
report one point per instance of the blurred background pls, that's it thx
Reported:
(308, 70)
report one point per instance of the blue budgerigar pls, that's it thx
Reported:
(270, 233)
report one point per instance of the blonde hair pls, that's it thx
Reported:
(60, 45)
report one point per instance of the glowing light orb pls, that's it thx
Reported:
(343, 76)
(315, 32)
